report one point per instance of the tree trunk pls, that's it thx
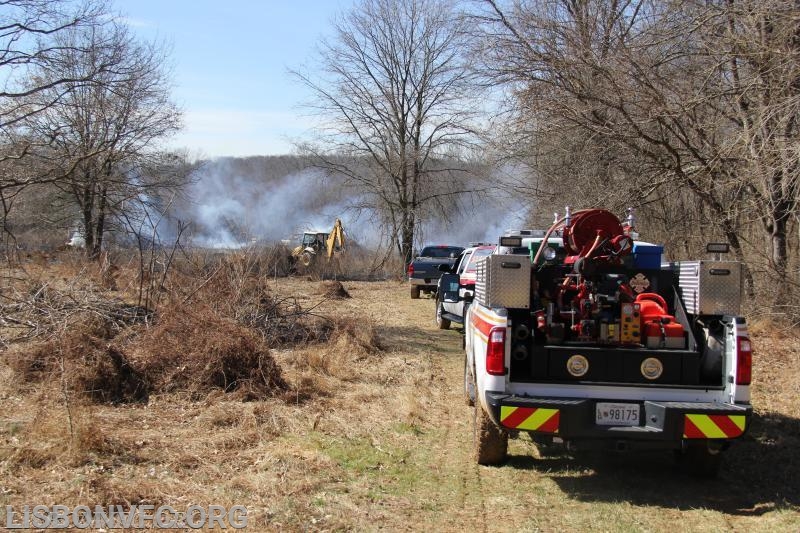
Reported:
(732, 237)
(88, 230)
(99, 223)
(780, 254)
(84, 193)
(407, 237)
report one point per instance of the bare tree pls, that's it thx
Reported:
(101, 136)
(29, 40)
(761, 66)
(392, 89)
(682, 95)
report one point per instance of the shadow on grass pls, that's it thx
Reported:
(760, 473)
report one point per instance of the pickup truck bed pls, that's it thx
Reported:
(424, 273)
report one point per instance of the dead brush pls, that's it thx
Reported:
(309, 384)
(334, 290)
(83, 361)
(281, 321)
(37, 309)
(188, 350)
(350, 340)
(233, 291)
(59, 435)
(358, 336)
(221, 415)
(210, 333)
(194, 350)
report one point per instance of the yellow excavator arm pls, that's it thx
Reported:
(335, 240)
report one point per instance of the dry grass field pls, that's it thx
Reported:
(357, 424)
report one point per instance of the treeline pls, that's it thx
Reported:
(686, 110)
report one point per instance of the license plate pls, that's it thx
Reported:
(617, 414)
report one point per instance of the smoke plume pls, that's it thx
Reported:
(235, 201)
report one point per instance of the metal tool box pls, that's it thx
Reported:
(710, 287)
(504, 281)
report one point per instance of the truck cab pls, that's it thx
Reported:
(314, 240)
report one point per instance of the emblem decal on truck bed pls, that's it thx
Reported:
(530, 418)
(577, 365)
(639, 283)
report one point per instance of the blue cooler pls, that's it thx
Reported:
(647, 256)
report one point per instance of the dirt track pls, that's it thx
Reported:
(381, 440)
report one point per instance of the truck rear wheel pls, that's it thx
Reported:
(490, 442)
(414, 292)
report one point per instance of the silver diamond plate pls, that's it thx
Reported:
(706, 288)
(504, 281)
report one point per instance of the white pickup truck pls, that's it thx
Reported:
(454, 290)
(581, 336)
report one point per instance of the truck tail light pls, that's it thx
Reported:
(496, 352)
(744, 361)
(410, 269)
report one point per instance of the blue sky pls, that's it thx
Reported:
(230, 61)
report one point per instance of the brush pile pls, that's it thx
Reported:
(195, 351)
(192, 352)
(212, 331)
(36, 310)
(334, 290)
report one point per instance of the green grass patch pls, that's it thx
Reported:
(390, 471)
(407, 428)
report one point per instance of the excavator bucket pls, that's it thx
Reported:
(335, 241)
